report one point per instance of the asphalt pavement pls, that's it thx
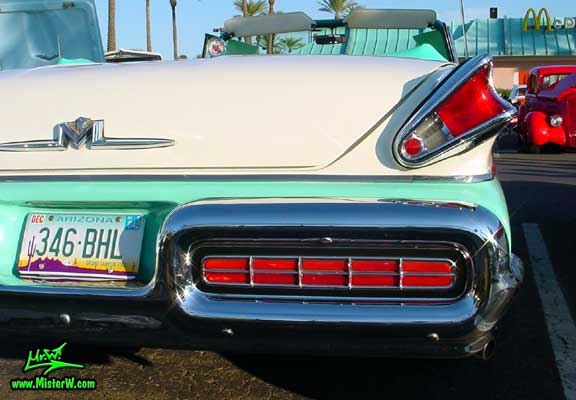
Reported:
(532, 360)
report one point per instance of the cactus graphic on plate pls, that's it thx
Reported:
(31, 250)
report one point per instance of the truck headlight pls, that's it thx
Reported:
(556, 121)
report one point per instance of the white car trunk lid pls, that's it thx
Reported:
(287, 112)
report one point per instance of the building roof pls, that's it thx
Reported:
(498, 37)
(505, 37)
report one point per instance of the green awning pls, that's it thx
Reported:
(505, 37)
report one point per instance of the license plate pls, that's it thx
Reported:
(81, 247)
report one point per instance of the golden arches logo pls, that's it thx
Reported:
(537, 19)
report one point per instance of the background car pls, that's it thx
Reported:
(48, 32)
(549, 115)
(518, 95)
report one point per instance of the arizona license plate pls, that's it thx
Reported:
(81, 247)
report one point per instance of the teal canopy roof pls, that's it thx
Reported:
(504, 37)
(409, 43)
(499, 37)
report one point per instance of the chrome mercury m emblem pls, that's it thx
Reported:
(84, 132)
(78, 130)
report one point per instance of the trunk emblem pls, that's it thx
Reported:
(84, 132)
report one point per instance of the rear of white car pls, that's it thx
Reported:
(277, 204)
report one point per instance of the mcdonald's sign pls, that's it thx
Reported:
(537, 19)
(557, 23)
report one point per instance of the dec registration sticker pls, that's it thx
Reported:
(81, 247)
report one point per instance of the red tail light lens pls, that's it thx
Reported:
(278, 271)
(337, 265)
(340, 272)
(375, 266)
(275, 264)
(474, 103)
(427, 281)
(427, 273)
(376, 280)
(466, 105)
(227, 270)
(441, 267)
(324, 280)
(275, 279)
(226, 263)
(226, 277)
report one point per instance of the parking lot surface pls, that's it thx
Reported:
(533, 359)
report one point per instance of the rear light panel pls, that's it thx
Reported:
(330, 272)
(463, 111)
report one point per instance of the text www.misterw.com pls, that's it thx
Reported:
(43, 383)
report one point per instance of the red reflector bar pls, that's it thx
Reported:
(427, 281)
(339, 265)
(227, 277)
(226, 263)
(443, 267)
(275, 264)
(375, 266)
(275, 279)
(375, 280)
(325, 280)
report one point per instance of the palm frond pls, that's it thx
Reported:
(290, 44)
(255, 7)
(340, 8)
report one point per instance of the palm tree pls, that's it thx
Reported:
(111, 25)
(148, 28)
(289, 44)
(250, 8)
(339, 8)
(276, 47)
(173, 4)
(270, 46)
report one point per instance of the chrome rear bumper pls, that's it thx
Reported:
(492, 282)
(176, 310)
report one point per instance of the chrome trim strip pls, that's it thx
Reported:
(63, 138)
(463, 142)
(349, 267)
(401, 271)
(250, 270)
(247, 177)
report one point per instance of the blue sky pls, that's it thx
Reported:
(196, 17)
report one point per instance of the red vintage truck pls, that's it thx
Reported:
(549, 115)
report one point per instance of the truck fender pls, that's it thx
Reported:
(539, 130)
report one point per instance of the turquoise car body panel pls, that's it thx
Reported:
(155, 199)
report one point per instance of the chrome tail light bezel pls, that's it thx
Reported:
(303, 249)
(463, 142)
(318, 223)
(398, 273)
